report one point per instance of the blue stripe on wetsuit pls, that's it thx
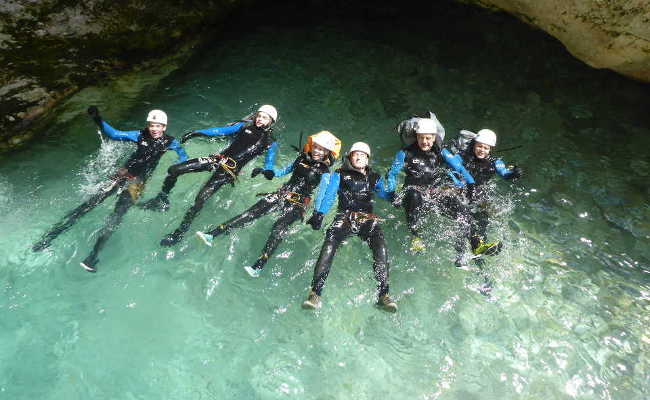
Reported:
(322, 188)
(501, 168)
(222, 131)
(323, 205)
(134, 136)
(269, 162)
(330, 194)
(115, 134)
(176, 146)
(455, 161)
(395, 169)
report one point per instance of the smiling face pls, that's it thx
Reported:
(359, 159)
(425, 141)
(156, 130)
(263, 119)
(319, 152)
(481, 150)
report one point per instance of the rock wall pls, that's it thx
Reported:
(51, 48)
(612, 34)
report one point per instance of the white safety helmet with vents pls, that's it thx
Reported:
(270, 110)
(426, 126)
(157, 116)
(360, 146)
(486, 136)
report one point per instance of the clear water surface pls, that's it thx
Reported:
(570, 312)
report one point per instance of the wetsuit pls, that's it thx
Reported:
(354, 216)
(290, 200)
(249, 141)
(128, 182)
(469, 208)
(424, 173)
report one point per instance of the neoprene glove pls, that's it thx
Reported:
(93, 111)
(316, 220)
(189, 135)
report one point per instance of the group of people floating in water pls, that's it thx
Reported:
(453, 179)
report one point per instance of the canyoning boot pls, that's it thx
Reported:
(479, 247)
(387, 304)
(158, 203)
(256, 269)
(254, 273)
(417, 245)
(171, 239)
(89, 264)
(205, 238)
(312, 302)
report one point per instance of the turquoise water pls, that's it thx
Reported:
(569, 314)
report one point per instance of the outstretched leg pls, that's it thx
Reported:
(335, 234)
(278, 233)
(74, 215)
(161, 201)
(211, 186)
(124, 202)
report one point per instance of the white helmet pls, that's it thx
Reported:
(426, 126)
(270, 110)
(486, 136)
(157, 116)
(325, 139)
(360, 146)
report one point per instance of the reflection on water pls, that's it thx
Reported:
(570, 313)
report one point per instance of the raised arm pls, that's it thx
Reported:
(108, 130)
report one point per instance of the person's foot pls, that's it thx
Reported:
(89, 264)
(41, 245)
(254, 273)
(479, 247)
(486, 288)
(158, 203)
(171, 239)
(417, 245)
(312, 302)
(462, 260)
(387, 304)
(205, 238)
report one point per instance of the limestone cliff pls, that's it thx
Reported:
(612, 34)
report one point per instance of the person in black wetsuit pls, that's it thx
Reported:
(310, 169)
(251, 139)
(354, 183)
(470, 208)
(423, 164)
(129, 180)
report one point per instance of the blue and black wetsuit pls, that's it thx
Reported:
(424, 174)
(290, 200)
(128, 182)
(249, 141)
(354, 216)
(469, 208)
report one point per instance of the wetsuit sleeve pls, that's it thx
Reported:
(269, 161)
(178, 148)
(322, 188)
(455, 162)
(330, 194)
(223, 131)
(395, 168)
(501, 169)
(383, 190)
(115, 134)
